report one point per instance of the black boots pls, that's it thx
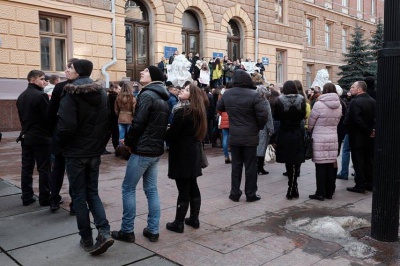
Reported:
(181, 210)
(260, 166)
(293, 174)
(193, 220)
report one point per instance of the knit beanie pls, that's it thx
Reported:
(83, 67)
(155, 73)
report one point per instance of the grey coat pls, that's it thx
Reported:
(265, 134)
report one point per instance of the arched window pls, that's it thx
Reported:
(190, 33)
(233, 41)
(137, 38)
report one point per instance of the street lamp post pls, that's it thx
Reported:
(385, 200)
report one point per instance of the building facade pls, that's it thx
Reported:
(295, 38)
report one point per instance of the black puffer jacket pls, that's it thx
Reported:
(83, 119)
(147, 131)
(247, 111)
(32, 105)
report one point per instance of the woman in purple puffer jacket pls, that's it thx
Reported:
(323, 122)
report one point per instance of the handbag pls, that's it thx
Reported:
(308, 146)
(203, 157)
(270, 154)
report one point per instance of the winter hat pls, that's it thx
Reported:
(155, 73)
(242, 79)
(83, 67)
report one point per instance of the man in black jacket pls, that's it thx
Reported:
(35, 138)
(83, 121)
(58, 166)
(146, 140)
(248, 114)
(360, 123)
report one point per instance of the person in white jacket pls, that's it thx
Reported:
(323, 121)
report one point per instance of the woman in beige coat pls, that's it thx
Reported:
(124, 108)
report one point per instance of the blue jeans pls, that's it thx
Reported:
(83, 176)
(123, 128)
(225, 137)
(344, 172)
(227, 79)
(137, 167)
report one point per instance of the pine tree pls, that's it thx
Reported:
(358, 60)
(376, 44)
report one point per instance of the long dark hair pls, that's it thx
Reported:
(198, 109)
(289, 87)
(217, 63)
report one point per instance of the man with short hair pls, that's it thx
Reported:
(248, 114)
(260, 65)
(35, 138)
(360, 123)
(58, 165)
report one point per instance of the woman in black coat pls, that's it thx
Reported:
(290, 110)
(188, 129)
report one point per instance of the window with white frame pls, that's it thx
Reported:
(328, 4)
(360, 8)
(345, 6)
(53, 42)
(344, 40)
(328, 35)
(279, 11)
(280, 66)
(373, 8)
(310, 31)
(309, 75)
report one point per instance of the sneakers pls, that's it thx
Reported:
(104, 241)
(150, 236)
(86, 244)
(29, 201)
(121, 236)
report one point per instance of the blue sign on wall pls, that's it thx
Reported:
(220, 55)
(169, 51)
(265, 61)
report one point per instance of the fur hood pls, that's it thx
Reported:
(290, 100)
(86, 89)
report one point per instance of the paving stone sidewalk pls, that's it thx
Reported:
(231, 233)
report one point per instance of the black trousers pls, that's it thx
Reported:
(187, 188)
(325, 177)
(247, 156)
(363, 162)
(41, 155)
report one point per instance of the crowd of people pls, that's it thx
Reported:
(69, 133)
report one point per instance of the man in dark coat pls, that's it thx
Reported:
(360, 123)
(58, 166)
(35, 138)
(248, 114)
(146, 140)
(83, 121)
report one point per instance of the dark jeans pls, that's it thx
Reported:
(41, 155)
(363, 162)
(325, 177)
(247, 156)
(57, 178)
(187, 188)
(83, 175)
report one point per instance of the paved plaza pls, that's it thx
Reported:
(230, 233)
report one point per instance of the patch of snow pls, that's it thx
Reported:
(335, 229)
